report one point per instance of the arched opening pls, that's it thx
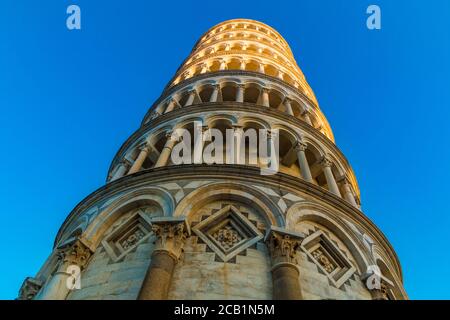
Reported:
(251, 94)
(229, 92)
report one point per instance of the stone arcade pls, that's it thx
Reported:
(157, 230)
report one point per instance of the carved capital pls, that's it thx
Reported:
(326, 162)
(283, 245)
(300, 146)
(30, 287)
(171, 234)
(74, 252)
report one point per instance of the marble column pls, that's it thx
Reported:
(238, 150)
(223, 65)
(242, 65)
(305, 171)
(265, 97)
(191, 97)
(215, 93)
(74, 254)
(240, 92)
(261, 68)
(283, 246)
(172, 104)
(164, 156)
(288, 106)
(137, 165)
(171, 234)
(121, 170)
(331, 181)
(305, 115)
(348, 194)
(204, 68)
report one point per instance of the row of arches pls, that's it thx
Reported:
(243, 92)
(297, 156)
(246, 27)
(243, 42)
(242, 63)
(301, 215)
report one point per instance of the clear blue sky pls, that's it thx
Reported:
(69, 99)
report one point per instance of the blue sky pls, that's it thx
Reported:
(69, 99)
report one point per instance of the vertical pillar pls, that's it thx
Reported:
(75, 253)
(282, 247)
(199, 142)
(137, 165)
(331, 181)
(261, 68)
(171, 234)
(190, 99)
(240, 93)
(348, 194)
(215, 93)
(204, 68)
(280, 75)
(120, 172)
(172, 104)
(242, 65)
(239, 151)
(300, 148)
(265, 97)
(223, 65)
(287, 104)
(167, 150)
(305, 114)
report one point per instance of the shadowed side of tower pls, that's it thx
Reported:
(221, 229)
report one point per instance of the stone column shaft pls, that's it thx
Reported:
(166, 151)
(303, 162)
(240, 93)
(190, 99)
(265, 97)
(171, 105)
(57, 288)
(137, 165)
(215, 94)
(283, 246)
(120, 171)
(348, 194)
(331, 181)
(287, 104)
(170, 234)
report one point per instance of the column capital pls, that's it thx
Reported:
(192, 91)
(283, 245)
(216, 86)
(171, 233)
(30, 287)
(265, 90)
(300, 146)
(287, 100)
(74, 252)
(240, 85)
(326, 161)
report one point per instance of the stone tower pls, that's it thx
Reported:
(160, 229)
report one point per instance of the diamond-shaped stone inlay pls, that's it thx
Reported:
(330, 260)
(228, 232)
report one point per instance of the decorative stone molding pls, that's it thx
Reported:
(170, 233)
(330, 260)
(283, 245)
(75, 252)
(127, 236)
(227, 232)
(30, 287)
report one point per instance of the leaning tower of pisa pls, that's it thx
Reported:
(161, 229)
